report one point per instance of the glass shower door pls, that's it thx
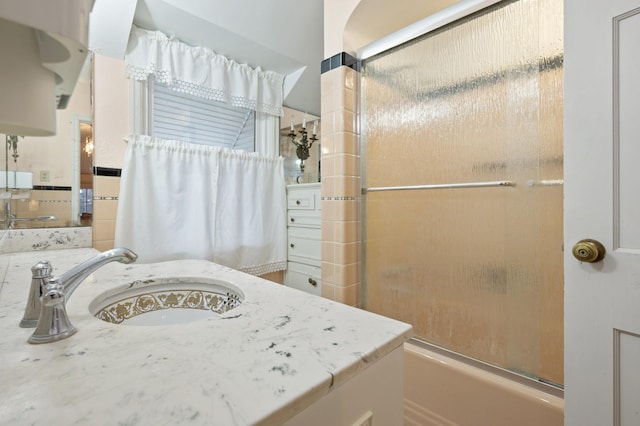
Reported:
(476, 268)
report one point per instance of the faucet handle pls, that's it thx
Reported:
(53, 322)
(41, 269)
(40, 275)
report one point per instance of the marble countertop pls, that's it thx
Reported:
(260, 363)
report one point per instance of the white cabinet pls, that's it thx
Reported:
(303, 238)
(373, 397)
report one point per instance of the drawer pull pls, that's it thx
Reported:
(313, 282)
(292, 245)
(293, 219)
(297, 202)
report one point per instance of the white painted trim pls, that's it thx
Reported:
(424, 26)
(139, 100)
(75, 167)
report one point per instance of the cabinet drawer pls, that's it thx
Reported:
(303, 218)
(303, 277)
(301, 200)
(303, 197)
(304, 245)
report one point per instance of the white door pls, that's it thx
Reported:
(602, 201)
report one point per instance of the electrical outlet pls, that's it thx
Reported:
(44, 175)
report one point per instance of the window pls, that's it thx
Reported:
(180, 116)
(86, 200)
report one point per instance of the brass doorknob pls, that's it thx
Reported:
(589, 251)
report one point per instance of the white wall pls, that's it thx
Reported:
(336, 16)
(111, 111)
(54, 153)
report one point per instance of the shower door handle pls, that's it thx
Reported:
(588, 250)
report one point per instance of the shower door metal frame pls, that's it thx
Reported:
(457, 11)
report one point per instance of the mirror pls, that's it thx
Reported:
(57, 169)
(297, 170)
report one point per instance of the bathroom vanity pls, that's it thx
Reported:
(279, 357)
(303, 238)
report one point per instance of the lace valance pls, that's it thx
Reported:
(202, 72)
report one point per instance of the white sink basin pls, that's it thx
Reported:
(166, 301)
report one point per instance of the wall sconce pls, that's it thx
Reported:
(304, 143)
(88, 146)
(12, 144)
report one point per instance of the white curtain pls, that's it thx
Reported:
(202, 72)
(186, 201)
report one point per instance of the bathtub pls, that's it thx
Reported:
(440, 389)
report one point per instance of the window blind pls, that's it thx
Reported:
(180, 116)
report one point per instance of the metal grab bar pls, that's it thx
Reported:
(442, 186)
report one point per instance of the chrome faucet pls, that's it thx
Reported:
(53, 321)
(10, 219)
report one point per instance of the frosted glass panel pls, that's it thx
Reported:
(478, 270)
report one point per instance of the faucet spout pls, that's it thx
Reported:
(53, 321)
(71, 279)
